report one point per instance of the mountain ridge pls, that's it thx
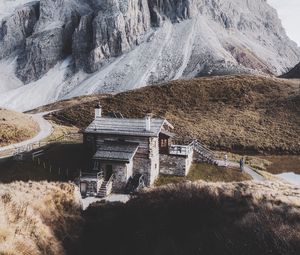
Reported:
(294, 73)
(112, 45)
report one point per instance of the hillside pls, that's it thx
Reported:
(37, 218)
(198, 218)
(293, 74)
(15, 127)
(237, 113)
(188, 218)
(117, 45)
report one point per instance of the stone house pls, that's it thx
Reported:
(126, 148)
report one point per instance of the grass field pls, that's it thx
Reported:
(246, 114)
(38, 218)
(206, 172)
(16, 127)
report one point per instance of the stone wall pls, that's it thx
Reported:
(142, 165)
(154, 157)
(121, 172)
(147, 163)
(175, 165)
(146, 160)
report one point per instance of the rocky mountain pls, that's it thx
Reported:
(293, 73)
(65, 48)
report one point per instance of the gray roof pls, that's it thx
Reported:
(122, 126)
(116, 151)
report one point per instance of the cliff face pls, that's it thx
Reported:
(114, 29)
(16, 28)
(122, 44)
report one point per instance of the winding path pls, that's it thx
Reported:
(46, 130)
(255, 176)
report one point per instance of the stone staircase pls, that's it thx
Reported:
(106, 187)
(206, 154)
(103, 189)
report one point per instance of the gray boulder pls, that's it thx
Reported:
(118, 26)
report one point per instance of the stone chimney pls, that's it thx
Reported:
(98, 111)
(148, 122)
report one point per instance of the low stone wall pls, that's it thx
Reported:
(142, 166)
(175, 165)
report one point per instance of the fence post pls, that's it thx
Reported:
(58, 171)
(44, 165)
(50, 167)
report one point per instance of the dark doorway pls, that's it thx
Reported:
(108, 172)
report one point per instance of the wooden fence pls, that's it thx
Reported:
(56, 172)
(19, 151)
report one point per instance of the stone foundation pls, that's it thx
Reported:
(122, 173)
(175, 165)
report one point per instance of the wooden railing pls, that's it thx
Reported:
(67, 138)
(181, 150)
(197, 145)
(109, 185)
(185, 150)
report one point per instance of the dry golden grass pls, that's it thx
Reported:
(60, 131)
(199, 218)
(36, 218)
(237, 113)
(16, 127)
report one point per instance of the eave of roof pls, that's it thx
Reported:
(116, 151)
(131, 127)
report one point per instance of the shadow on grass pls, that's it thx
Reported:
(188, 219)
(60, 162)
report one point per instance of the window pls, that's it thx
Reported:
(164, 143)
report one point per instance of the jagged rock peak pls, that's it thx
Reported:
(125, 44)
(96, 31)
